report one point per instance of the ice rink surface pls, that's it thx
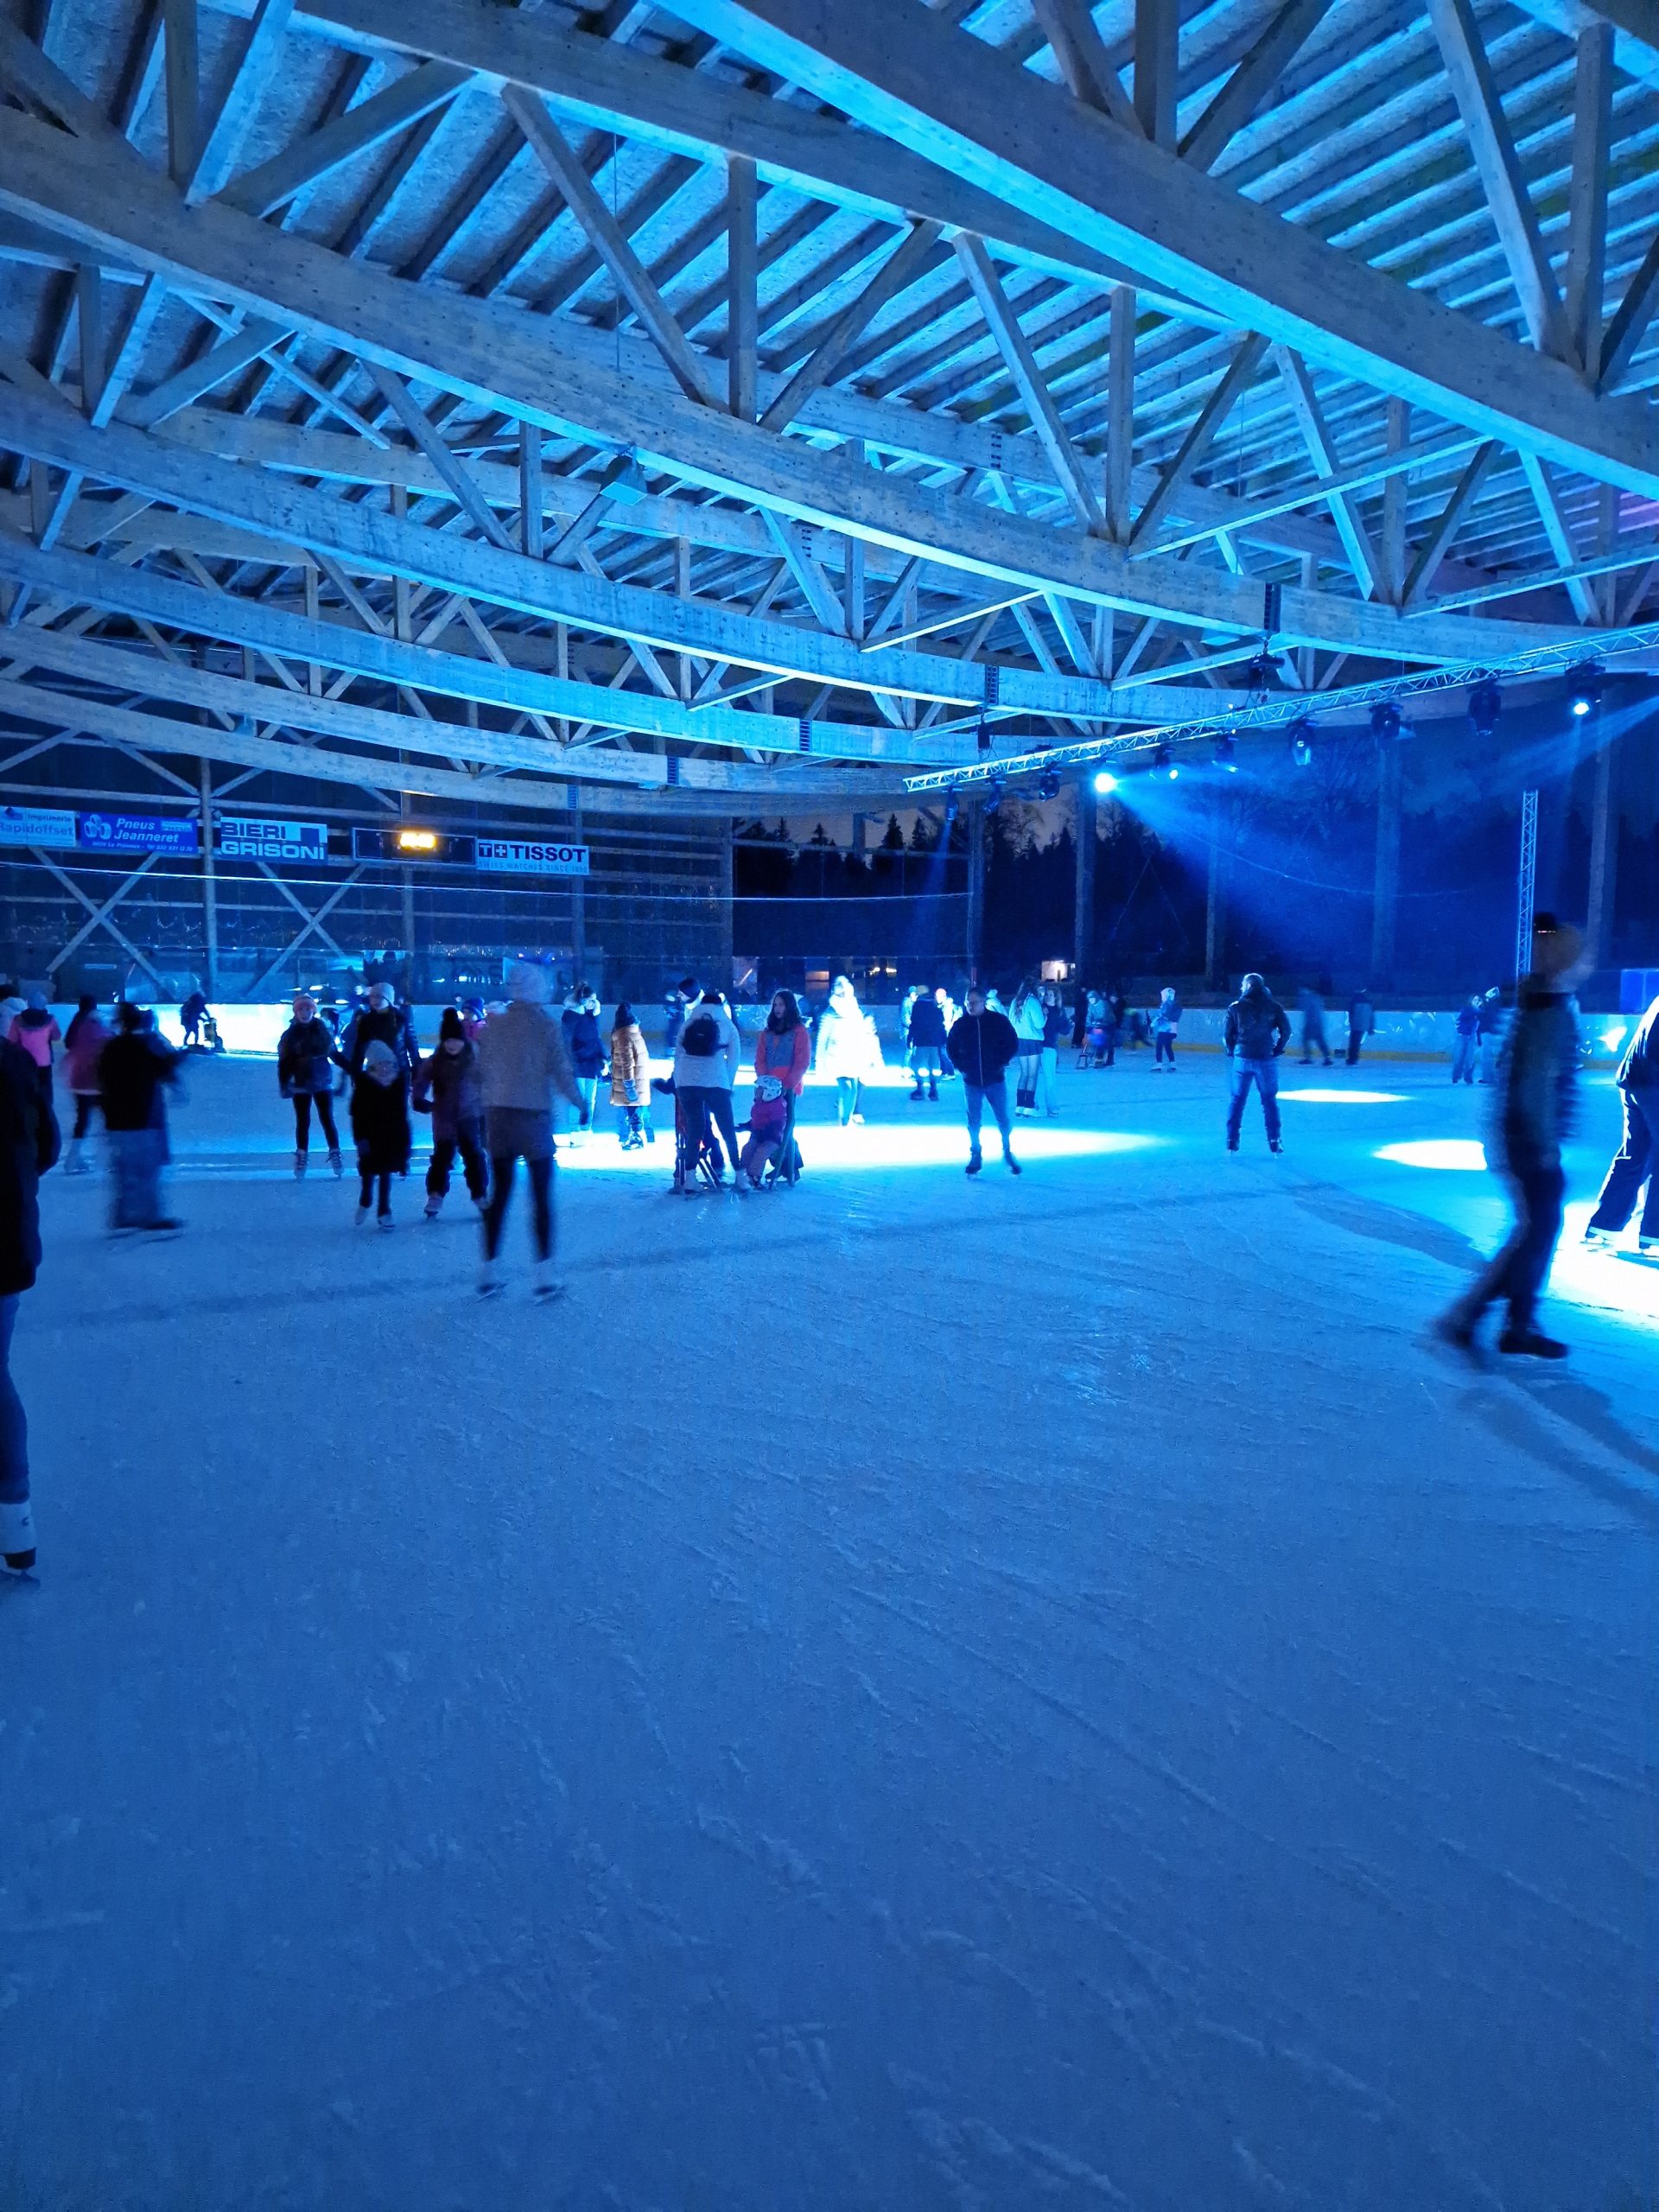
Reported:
(904, 1694)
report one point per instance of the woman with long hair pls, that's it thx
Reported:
(783, 1051)
(1029, 1017)
(630, 1079)
(846, 1048)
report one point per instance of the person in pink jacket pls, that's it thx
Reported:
(783, 1052)
(83, 1046)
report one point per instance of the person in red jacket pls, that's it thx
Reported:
(783, 1052)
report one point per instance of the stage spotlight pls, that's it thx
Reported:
(1485, 705)
(1105, 783)
(982, 736)
(1385, 721)
(994, 792)
(1259, 675)
(1227, 753)
(1583, 686)
(1301, 742)
(1163, 762)
(1048, 784)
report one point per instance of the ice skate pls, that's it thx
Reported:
(1531, 1343)
(433, 1205)
(75, 1161)
(301, 1162)
(337, 1163)
(975, 1163)
(361, 1216)
(383, 1221)
(1012, 1163)
(489, 1279)
(1648, 1244)
(547, 1286)
(1598, 1237)
(17, 1536)
(1457, 1331)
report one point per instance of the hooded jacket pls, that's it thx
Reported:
(582, 1040)
(847, 1044)
(36, 1029)
(1028, 1017)
(88, 1038)
(629, 1064)
(1538, 1078)
(448, 1082)
(28, 1146)
(392, 1025)
(981, 1047)
(522, 1060)
(380, 1124)
(708, 1071)
(305, 1059)
(1257, 1026)
(926, 1032)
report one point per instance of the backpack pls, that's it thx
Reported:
(701, 1039)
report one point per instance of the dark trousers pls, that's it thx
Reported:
(14, 1426)
(466, 1142)
(1638, 1160)
(86, 1106)
(377, 1187)
(503, 1167)
(1163, 1048)
(708, 1108)
(1518, 1272)
(303, 1101)
(1264, 1074)
(1355, 1040)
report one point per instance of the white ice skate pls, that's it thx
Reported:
(17, 1536)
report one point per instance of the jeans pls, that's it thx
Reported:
(925, 1061)
(1464, 1053)
(708, 1108)
(846, 1090)
(324, 1103)
(503, 1167)
(1489, 1044)
(1637, 1157)
(1518, 1272)
(1355, 1040)
(995, 1096)
(1048, 1080)
(1264, 1074)
(467, 1141)
(1163, 1047)
(14, 1425)
(136, 1156)
(587, 1090)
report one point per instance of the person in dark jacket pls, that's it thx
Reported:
(190, 1016)
(981, 1046)
(1256, 1032)
(447, 1088)
(305, 1075)
(383, 1018)
(1537, 1089)
(1310, 1004)
(1466, 1050)
(29, 1146)
(925, 1037)
(380, 1124)
(1362, 1023)
(134, 1071)
(580, 1022)
(36, 1029)
(1489, 1032)
(1638, 1160)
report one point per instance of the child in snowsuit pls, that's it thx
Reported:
(380, 1124)
(447, 1088)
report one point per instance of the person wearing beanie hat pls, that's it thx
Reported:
(305, 1076)
(446, 1087)
(36, 1029)
(380, 1124)
(383, 1017)
(522, 1061)
(1537, 1083)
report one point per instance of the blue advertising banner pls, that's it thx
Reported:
(538, 856)
(257, 837)
(139, 833)
(36, 825)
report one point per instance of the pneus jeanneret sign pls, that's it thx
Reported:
(520, 856)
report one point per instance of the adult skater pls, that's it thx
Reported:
(924, 1035)
(191, 1011)
(1465, 1046)
(381, 1019)
(522, 1062)
(1027, 1014)
(446, 1087)
(1362, 1022)
(580, 1021)
(305, 1077)
(1256, 1033)
(1056, 1028)
(1166, 1024)
(1537, 1094)
(381, 1127)
(674, 1006)
(847, 1049)
(1310, 1004)
(28, 1146)
(630, 1079)
(83, 1046)
(983, 1043)
(783, 1052)
(705, 1069)
(1637, 1160)
(1491, 1032)
(36, 1031)
(134, 1071)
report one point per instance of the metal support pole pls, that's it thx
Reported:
(1083, 910)
(1215, 909)
(1385, 883)
(1604, 853)
(725, 946)
(209, 883)
(975, 814)
(578, 897)
(1527, 883)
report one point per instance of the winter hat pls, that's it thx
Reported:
(1556, 950)
(382, 992)
(380, 1060)
(305, 1007)
(449, 1024)
(527, 980)
(1252, 983)
(37, 1001)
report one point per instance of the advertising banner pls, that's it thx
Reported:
(517, 856)
(36, 825)
(256, 837)
(139, 833)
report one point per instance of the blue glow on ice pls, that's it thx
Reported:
(1314, 1097)
(1461, 1155)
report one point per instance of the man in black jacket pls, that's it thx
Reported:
(1638, 1157)
(981, 1047)
(28, 1146)
(1256, 1033)
(925, 1038)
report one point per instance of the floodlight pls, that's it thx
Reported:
(1583, 686)
(1485, 705)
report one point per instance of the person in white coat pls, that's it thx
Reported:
(846, 1048)
(1029, 1017)
(705, 1068)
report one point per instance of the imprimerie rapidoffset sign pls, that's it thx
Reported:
(521, 856)
(260, 838)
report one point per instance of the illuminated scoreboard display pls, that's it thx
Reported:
(408, 841)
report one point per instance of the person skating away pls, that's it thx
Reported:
(580, 1021)
(522, 1063)
(191, 1011)
(1310, 1004)
(674, 1006)
(1026, 1014)
(1256, 1033)
(630, 1079)
(949, 1012)
(1362, 1023)
(783, 1052)
(83, 1047)
(1493, 1015)
(1056, 1028)
(1637, 1160)
(305, 1076)
(1537, 1083)
(924, 1035)
(1465, 1050)
(446, 1086)
(381, 1126)
(36, 1031)
(28, 1146)
(1166, 1023)
(134, 1071)
(705, 1069)
(983, 1044)
(383, 1020)
(847, 1049)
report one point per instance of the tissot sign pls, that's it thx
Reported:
(520, 856)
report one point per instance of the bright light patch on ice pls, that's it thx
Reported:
(1346, 1098)
(1462, 1154)
(874, 1148)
